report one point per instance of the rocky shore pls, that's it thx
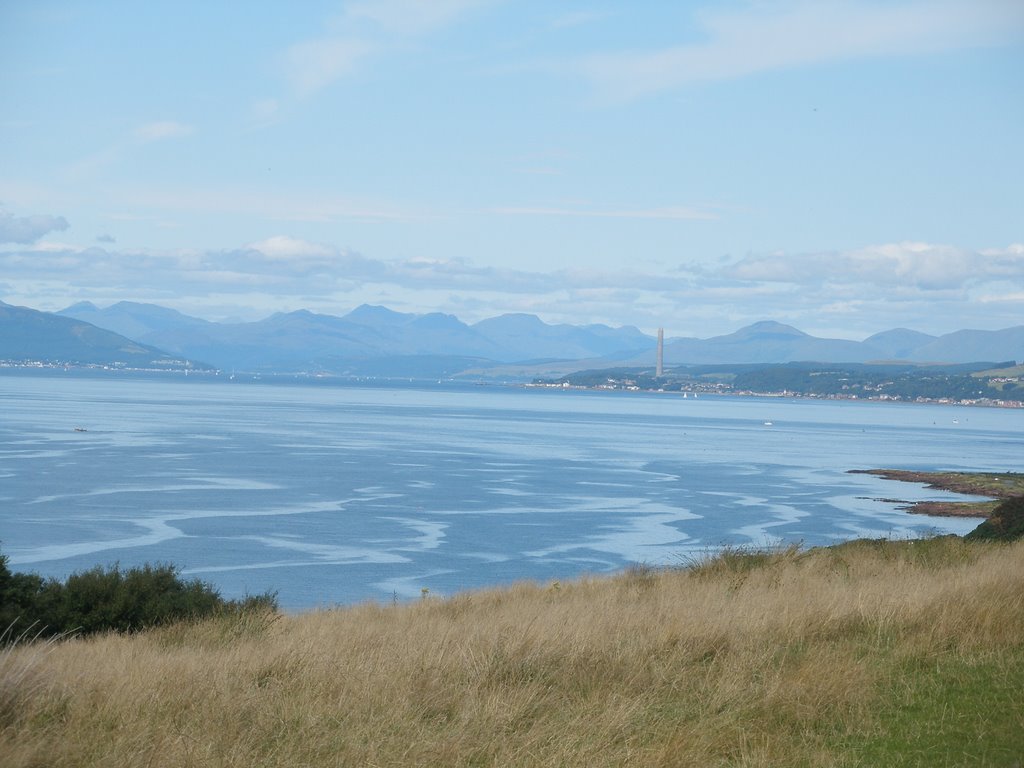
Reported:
(998, 486)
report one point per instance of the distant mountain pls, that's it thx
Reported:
(899, 343)
(378, 317)
(29, 335)
(375, 340)
(306, 341)
(136, 321)
(765, 342)
(966, 346)
(771, 342)
(439, 334)
(296, 341)
(527, 337)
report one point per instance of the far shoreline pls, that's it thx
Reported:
(998, 486)
(100, 370)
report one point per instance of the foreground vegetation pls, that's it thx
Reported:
(103, 599)
(868, 653)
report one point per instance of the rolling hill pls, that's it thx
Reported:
(27, 334)
(377, 341)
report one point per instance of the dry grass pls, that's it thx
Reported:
(795, 659)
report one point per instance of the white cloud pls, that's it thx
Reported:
(91, 165)
(163, 129)
(920, 266)
(314, 64)
(929, 287)
(772, 36)
(314, 267)
(1015, 250)
(28, 229)
(1016, 297)
(302, 267)
(284, 248)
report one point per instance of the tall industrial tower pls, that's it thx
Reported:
(661, 353)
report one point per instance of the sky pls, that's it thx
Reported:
(844, 166)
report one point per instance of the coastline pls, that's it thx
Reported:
(42, 367)
(999, 486)
(985, 402)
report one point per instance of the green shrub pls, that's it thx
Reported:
(1006, 523)
(19, 594)
(111, 599)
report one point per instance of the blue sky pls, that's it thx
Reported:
(843, 166)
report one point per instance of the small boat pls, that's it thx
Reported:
(81, 429)
(768, 424)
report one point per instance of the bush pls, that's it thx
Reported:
(1006, 523)
(104, 599)
(19, 594)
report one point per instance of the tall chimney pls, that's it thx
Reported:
(661, 353)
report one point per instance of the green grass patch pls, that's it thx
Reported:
(1017, 370)
(951, 710)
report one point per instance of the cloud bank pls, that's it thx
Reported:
(913, 284)
(922, 266)
(28, 229)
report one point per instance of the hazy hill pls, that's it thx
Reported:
(304, 340)
(27, 334)
(527, 337)
(375, 340)
(133, 320)
(437, 333)
(965, 346)
(771, 342)
(899, 343)
(765, 342)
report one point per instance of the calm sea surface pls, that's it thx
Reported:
(338, 494)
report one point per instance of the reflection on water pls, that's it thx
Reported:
(339, 494)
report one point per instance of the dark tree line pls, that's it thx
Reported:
(865, 383)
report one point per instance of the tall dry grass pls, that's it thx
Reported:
(787, 659)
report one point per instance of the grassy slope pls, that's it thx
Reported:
(870, 653)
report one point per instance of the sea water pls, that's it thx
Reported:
(338, 494)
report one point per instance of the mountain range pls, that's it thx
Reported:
(27, 334)
(377, 341)
(305, 341)
(771, 342)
